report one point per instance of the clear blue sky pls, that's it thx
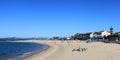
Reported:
(47, 18)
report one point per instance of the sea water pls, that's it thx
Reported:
(18, 50)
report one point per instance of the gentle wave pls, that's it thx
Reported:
(18, 50)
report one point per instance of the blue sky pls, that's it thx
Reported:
(47, 18)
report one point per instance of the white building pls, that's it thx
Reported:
(105, 33)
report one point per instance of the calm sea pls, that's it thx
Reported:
(18, 50)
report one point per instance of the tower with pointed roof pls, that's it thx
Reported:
(111, 30)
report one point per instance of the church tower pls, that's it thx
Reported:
(111, 31)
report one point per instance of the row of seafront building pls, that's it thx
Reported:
(101, 35)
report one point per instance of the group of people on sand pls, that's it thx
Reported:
(80, 49)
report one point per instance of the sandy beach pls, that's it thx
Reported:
(62, 50)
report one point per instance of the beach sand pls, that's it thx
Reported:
(62, 50)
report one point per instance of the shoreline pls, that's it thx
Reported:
(40, 53)
(35, 54)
